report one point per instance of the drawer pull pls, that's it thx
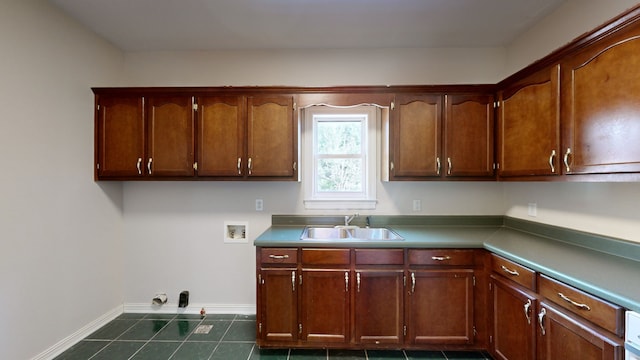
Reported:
(576, 304)
(509, 271)
(441, 258)
(278, 257)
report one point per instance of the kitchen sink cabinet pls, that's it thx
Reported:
(325, 287)
(529, 125)
(600, 87)
(468, 135)
(378, 306)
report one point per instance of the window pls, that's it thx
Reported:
(340, 157)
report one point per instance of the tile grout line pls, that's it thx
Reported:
(111, 341)
(222, 337)
(154, 335)
(186, 337)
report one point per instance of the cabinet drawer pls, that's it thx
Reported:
(600, 312)
(441, 257)
(379, 256)
(325, 256)
(513, 271)
(279, 256)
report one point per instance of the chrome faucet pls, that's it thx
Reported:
(348, 219)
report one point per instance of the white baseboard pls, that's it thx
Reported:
(193, 308)
(82, 333)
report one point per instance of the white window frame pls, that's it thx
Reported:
(341, 201)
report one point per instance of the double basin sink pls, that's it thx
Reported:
(349, 233)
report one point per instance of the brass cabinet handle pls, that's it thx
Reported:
(541, 316)
(576, 304)
(149, 165)
(138, 166)
(239, 166)
(509, 271)
(272, 256)
(249, 165)
(438, 165)
(527, 310)
(566, 159)
(358, 281)
(441, 258)
(449, 166)
(553, 154)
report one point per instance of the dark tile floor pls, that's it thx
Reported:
(232, 337)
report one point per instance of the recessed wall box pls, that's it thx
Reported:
(236, 232)
(183, 301)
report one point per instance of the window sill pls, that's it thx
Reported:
(340, 204)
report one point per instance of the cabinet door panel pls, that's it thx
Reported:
(529, 118)
(468, 140)
(272, 136)
(325, 306)
(565, 337)
(378, 306)
(279, 305)
(440, 307)
(120, 136)
(514, 321)
(170, 136)
(221, 136)
(601, 108)
(415, 135)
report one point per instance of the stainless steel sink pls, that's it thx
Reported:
(350, 233)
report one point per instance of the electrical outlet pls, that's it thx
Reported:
(259, 205)
(417, 205)
(533, 209)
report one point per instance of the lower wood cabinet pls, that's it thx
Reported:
(366, 298)
(555, 322)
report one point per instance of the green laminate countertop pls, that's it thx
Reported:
(607, 268)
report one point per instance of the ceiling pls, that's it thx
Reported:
(176, 25)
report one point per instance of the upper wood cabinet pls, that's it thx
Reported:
(432, 141)
(170, 136)
(180, 136)
(139, 137)
(221, 136)
(601, 111)
(529, 125)
(254, 137)
(119, 136)
(415, 129)
(468, 135)
(272, 136)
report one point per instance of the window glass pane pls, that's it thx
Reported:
(339, 175)
(339, 137)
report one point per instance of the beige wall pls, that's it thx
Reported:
(60, 233)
